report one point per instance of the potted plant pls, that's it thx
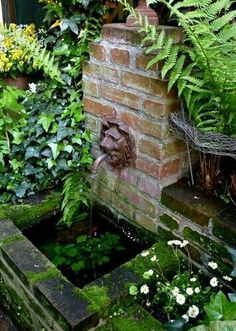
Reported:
(22, 53)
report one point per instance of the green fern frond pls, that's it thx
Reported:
(170, 62)
(174, 76)
(220, 22)
(217, 6)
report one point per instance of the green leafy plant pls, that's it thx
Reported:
(202, 65)
(76, 198)
(71, 27)
(86, 253)
(23, 53)
(182, 301)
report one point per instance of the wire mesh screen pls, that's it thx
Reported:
(213, 143)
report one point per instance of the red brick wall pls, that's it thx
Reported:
(117, 84)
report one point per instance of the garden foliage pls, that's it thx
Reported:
(202, 65)
(84, 254)
(44, 138)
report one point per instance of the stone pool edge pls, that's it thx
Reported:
(41, 297)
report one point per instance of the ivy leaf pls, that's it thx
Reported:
(31, 152)
(18, 137)
(220, 308)
(77, 139)
(55, 150)
(68, 148)
(21, 189)
(50, 163)
(46, 120)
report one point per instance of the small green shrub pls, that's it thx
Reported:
(86, 253)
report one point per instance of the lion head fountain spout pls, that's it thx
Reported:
(117, 144)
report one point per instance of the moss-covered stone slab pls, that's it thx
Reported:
(24, 258)
(192, 203)
(27, 214)
(70, 307)
(134, 318)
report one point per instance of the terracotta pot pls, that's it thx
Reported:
(21, 82)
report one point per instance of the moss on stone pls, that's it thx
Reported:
(97, 296)
(169, 222)
(25, 215)
(35, 277)
(206, 243)
(166, 260)
(11, 239)
(134, 318)
(17, 305)
(165, 234)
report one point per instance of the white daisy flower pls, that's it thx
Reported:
(193, 311)
(184, 243)
(154, 258)
(193, 279)
(180, 299)
(213, 265)
(214, 282)
(175, 291)
(229, 279)
(145, 253)
(189, 291)
(197, 290)
(144, 289)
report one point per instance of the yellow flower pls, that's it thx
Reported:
(16, 54)
(12, 26)
(8, 42)
(29, 30)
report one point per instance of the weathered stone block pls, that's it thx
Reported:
(69, 307)
(24, 257)
(191, 203)
(224, 226)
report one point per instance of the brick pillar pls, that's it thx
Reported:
(117, 84)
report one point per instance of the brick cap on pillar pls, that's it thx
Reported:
(120, 33)
(145, 11)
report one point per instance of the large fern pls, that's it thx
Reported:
(203, 65)
(76, 196)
